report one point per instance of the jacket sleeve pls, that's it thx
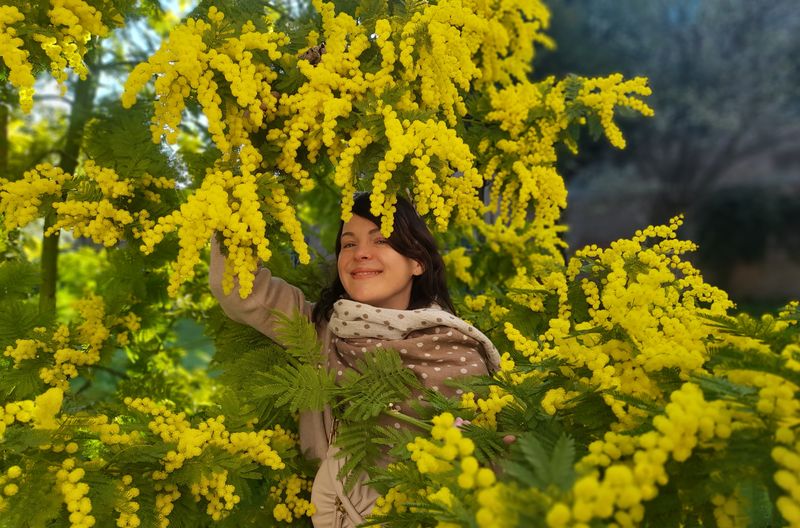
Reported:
(269, 293)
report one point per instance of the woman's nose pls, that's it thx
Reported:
(362, 252)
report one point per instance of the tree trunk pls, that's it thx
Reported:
(82, 107)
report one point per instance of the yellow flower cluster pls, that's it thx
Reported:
(191, 59)
(127, 506)
(422, 141)
(393, 500)
(487, 408)
(75, 494)
(7, 486)
(99, 220)
(20, 200)
(459, 263)
(494, 509)
(65, 40)
(787, 456)
(24, 349)
(521, 168)
(91, 334)
(290, 505)
(15, 57)
(165, 500)
(640, 287)
(606, 93)
(439, 455)
(75, 23)
(509, 29)
(479, 302)
(219, 495)
(776, 395)
(634, 466)
(41, 412)
(190, 442)
(556, 399)
(728, 511)
(109, 433)
(229, 205)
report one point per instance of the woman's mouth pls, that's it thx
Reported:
(364, 274)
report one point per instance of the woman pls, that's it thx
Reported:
(388, 292)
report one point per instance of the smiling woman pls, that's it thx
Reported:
(389, 292)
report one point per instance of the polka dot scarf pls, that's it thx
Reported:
(355, 323)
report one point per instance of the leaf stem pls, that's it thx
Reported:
(410, 420)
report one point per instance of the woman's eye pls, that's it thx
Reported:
(381, 241)
(347, 245)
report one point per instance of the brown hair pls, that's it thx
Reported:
(411, 238)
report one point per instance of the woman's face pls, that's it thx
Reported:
(371, 271)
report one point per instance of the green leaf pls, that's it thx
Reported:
(302, 387)
(377, 379)
(532, 465)
(18, 279)
(757, 503)
(299, 336)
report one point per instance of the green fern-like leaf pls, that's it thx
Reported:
(358, 449)
(378, 379)
(533, 465)
(301, 387)
(18, 279)
(299, 336)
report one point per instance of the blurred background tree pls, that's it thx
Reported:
(722, 146)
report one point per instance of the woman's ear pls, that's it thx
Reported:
(418, 269)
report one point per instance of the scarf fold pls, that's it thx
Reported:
(353, 320)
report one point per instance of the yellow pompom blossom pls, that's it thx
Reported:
(101, 220)
(229, 205)
(787, 456)
(729, 511)
(639, 287)
(487, 408)
(457, 479)
(605, 94)
(521, 167)
(289, 504)
(15, 57)
(126, 504)
(75, 23)
(75, 494)
(24, 349)
(109, 432)
(191, 60)
(41, 412)
(190, 442)
(91, 333)
(393, 500)
(20, 199)
(446, 447)
(459, 262)
(634, 467)
(65, 37)
(495, 510)
(556, 399)
(165, 500)
(219, 495)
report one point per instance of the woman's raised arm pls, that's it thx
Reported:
(269, 293)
